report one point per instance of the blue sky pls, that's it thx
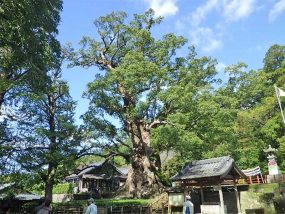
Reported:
(230, 31)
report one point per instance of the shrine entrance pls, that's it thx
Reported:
(217, 176)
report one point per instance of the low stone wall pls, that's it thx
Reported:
(252, 201)
(259, 197)
(57, 198)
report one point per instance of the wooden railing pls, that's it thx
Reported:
(259, 180)
(252, 180)
(128, 210)
(254, 175)
(104, 210)
(67, 209)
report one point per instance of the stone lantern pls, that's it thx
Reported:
(274, 173)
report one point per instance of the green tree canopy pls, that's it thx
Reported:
(47, 142)
(28, 44)
(138, 87)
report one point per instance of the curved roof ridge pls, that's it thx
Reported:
(218, 167)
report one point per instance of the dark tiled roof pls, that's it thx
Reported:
(208, 168)
(3, 186)
(124, 170)
(23, 197)
(88, 169)
(28, 197)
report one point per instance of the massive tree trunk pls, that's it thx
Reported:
(142, 180)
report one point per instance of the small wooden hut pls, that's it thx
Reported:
(214, 173)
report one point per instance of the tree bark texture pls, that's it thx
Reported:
(141, 180)
(49, 182)
(2, 96)
(52, 148)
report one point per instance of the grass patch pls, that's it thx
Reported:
(263, 188)
(65, 188)
(108, 202)
(61, 188)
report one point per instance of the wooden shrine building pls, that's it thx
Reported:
(214, 174)
(100, 177)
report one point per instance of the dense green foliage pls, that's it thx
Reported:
(144, 100)
(47, 138)
(28, 44)
(28, 49)
(177, 100)
(240, 118)
(142, 84)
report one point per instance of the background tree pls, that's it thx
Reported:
(28, 48)
(27, 41)
(244, 91)
(258, 120)
(239, 118)
(47, 141)
(5, 139)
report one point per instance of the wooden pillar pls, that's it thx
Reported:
(237, 197)
(80, 184)
(202, 194)
(264, 179)
(221, 199)
(168, 209)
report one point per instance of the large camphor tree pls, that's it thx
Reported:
(127, 96)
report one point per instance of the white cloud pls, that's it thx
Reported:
(200, 13)
(235, 10)
(163, 7)
(205, 38)
(232, 10)
(278, 9)
(211, 38)
(221, 67)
